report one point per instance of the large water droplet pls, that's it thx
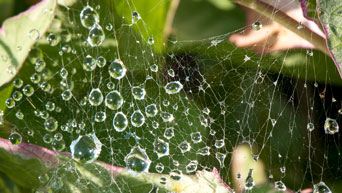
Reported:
(95, 97)
(220, 158)
(120, 122)
(28, 90)
(117, 69)
(15, 138)
(66, 95)
(89, 63)
(88, 17)
(249, 182)
(137, 161)
(51, 124)
(321, 188)
(10, 103)
(114, 100)
(58, 145)
(96, 35)
(86, 148)
(53, 39)
(18, 83)
(331, 126)
(151, 110)
(161, 148)
(173, 87)
(137, 119)
(138, 93)
(101, 61)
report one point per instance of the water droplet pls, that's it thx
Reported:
(66, 95)
(58, 145)
(137, 119)
(58, 136)
(154, 68)
(101, 61)
(89, 63)
(100, 116)
(96, 35)
(34, 34)
(176, 174)
(138, 93)
(114, 100)
(150, 41)
(331, 126)
(95, 97)
(321, 188)
(159, 167)
(166, 103)
(63, 73)
(35, 78)
(47, 138)
(280, 185)
(15, 138)
(257, 26)
(155, 124)
(249, 182)
(18, 83)
(50, 106)
(109, 27)
(120, 122)
(40, 65)
(43, 178)
(117, 69)
(137, 161)
(219, 143)
(173, 87)
(191, 167)
(196, 137)
(171, 72)
(88, 17)
(30, 132)
(238, 176)
(161, 148)
(10, 103)
(53, 39)
(169, 133)
(11, 70)
(19, 115)
(204, 151)
(135, 17)
(51, 124)
(28, 90)
(184, 146)
(110, 85)
(151, 110)
(163, 180)
(310, 127)
(86, 148)
(283, 169)
(220, 158)
(167, 117)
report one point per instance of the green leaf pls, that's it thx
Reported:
(15, 41)
(330, 17)
(24, 163)
(152, 22)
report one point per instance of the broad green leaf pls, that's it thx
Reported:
(330, 14)
(19, 33)
(153, 21)
(25, 163)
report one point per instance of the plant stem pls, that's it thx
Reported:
(286, 21)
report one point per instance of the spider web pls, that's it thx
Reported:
(230, 98)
